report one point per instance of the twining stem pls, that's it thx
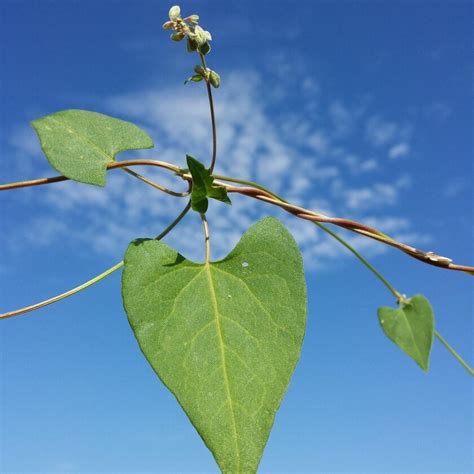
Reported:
(110, 166)
(94, 280)
(400, 298)
(207, 242)
(326, 229)
(213, 117)
(454, 353)
(260, 193)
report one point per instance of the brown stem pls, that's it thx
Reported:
(110, 166)
(427, 257)
(300, 212)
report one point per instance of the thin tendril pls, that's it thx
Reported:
(92, 281)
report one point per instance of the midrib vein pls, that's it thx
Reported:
(224, 362)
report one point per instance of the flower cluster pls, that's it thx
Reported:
(198, 38)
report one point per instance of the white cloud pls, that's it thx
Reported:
(318, 141)
(342, 119)
(376, 196)
(24, 141)
(381, 132)
(253, 143)
(399, 150)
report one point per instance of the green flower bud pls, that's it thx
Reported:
(174, 13)
(214, 79)
(177, 36)
(200, 70)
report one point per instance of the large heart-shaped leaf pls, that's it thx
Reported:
(410, 327)
(80, 144)
(225, 336)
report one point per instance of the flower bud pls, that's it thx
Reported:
(177, 36)
(174, 13)
(214, 79)
(199, 69)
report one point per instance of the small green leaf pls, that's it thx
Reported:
(203, 187)
(80, 144)
(204, 48)
(195, 78)
(410, 327)
(225, 336)
(214, 79)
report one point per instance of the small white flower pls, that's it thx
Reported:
(201, 36)
(174, 13)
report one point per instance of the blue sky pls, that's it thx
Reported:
(357, 109)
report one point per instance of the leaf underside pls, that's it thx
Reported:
(80, 144)
(224, 337)
(411, 328)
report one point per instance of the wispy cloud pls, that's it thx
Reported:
(310, 163)
(380, 131)
(399, 150)
(378, 195)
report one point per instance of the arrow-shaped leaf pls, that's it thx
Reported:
(410, 327)
(203, 186)
(80, 144)
(224, 337)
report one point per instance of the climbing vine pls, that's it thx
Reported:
(223, 336)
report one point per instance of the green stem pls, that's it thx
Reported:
(92, 281)
(454, 353)
(213, 117)
(61, 296)
(390, 287)
(205, 227)
(363, 260)
(175, 222)
(155, 185)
